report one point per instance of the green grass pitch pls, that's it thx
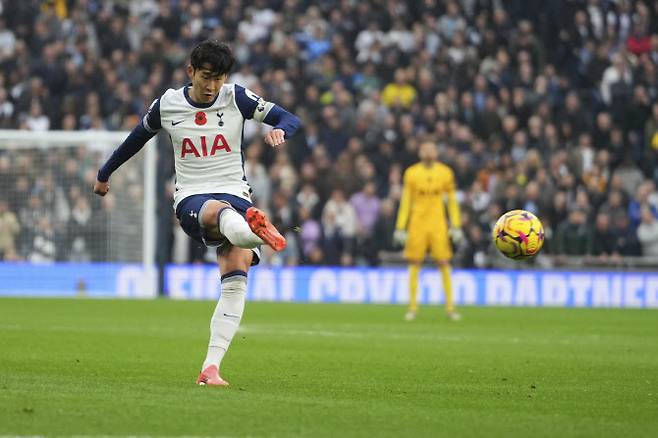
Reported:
(118, 368)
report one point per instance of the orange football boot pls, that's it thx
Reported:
(264, 229)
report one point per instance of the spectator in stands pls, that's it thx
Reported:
(79, 232)
(384, 227)
(475, 252)
(625, 238)
(366, 205)
(400, 93)
(573, 235)
(619, 76)
(615, 205)
(339, 223)
(6, 110)
(638, 42)
(647, 232)
(640, 201)
(310, 237)
(7, 41)
(451, 21)
(651, 141)
(36, 120)
(257, 175)
(602, 243)
(630, 176)
(9, 228)
(43, 247)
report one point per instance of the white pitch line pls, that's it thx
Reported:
(350, 331)
(287, 331)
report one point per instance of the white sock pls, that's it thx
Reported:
(236, 229)
(226, 318)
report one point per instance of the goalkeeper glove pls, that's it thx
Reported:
(400, 237)
(456, 235)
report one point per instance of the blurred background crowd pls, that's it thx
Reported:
(546, 105)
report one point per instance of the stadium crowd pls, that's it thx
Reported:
(546, 105)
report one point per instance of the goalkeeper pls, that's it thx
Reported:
(422, 225)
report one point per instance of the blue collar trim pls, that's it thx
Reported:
(186, 93)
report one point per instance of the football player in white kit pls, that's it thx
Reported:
(212, 199)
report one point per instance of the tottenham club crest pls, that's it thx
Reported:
(261, 105)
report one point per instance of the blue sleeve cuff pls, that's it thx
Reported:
(279, 118)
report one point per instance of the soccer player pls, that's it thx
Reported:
(212, 199)
(422, 224)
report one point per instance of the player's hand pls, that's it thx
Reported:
(400, 237)
(275, 137)
(101, 188)
(456, 235)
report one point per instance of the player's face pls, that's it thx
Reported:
(205, 84)
(428, 152)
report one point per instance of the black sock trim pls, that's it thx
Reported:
(233, 274)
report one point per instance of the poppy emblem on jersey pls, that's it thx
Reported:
(200, 118)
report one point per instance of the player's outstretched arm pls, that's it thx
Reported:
(131, 145)
(143, 132)
(285, 125)
(252, 106)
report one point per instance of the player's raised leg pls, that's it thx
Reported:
(233, 265)
(220, 219)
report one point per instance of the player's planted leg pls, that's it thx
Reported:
(227, 315)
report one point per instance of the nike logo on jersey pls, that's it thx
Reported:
(228, 315)
(176, 123)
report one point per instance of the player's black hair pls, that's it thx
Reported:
(215, 54)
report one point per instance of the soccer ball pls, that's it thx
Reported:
(518, 234)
